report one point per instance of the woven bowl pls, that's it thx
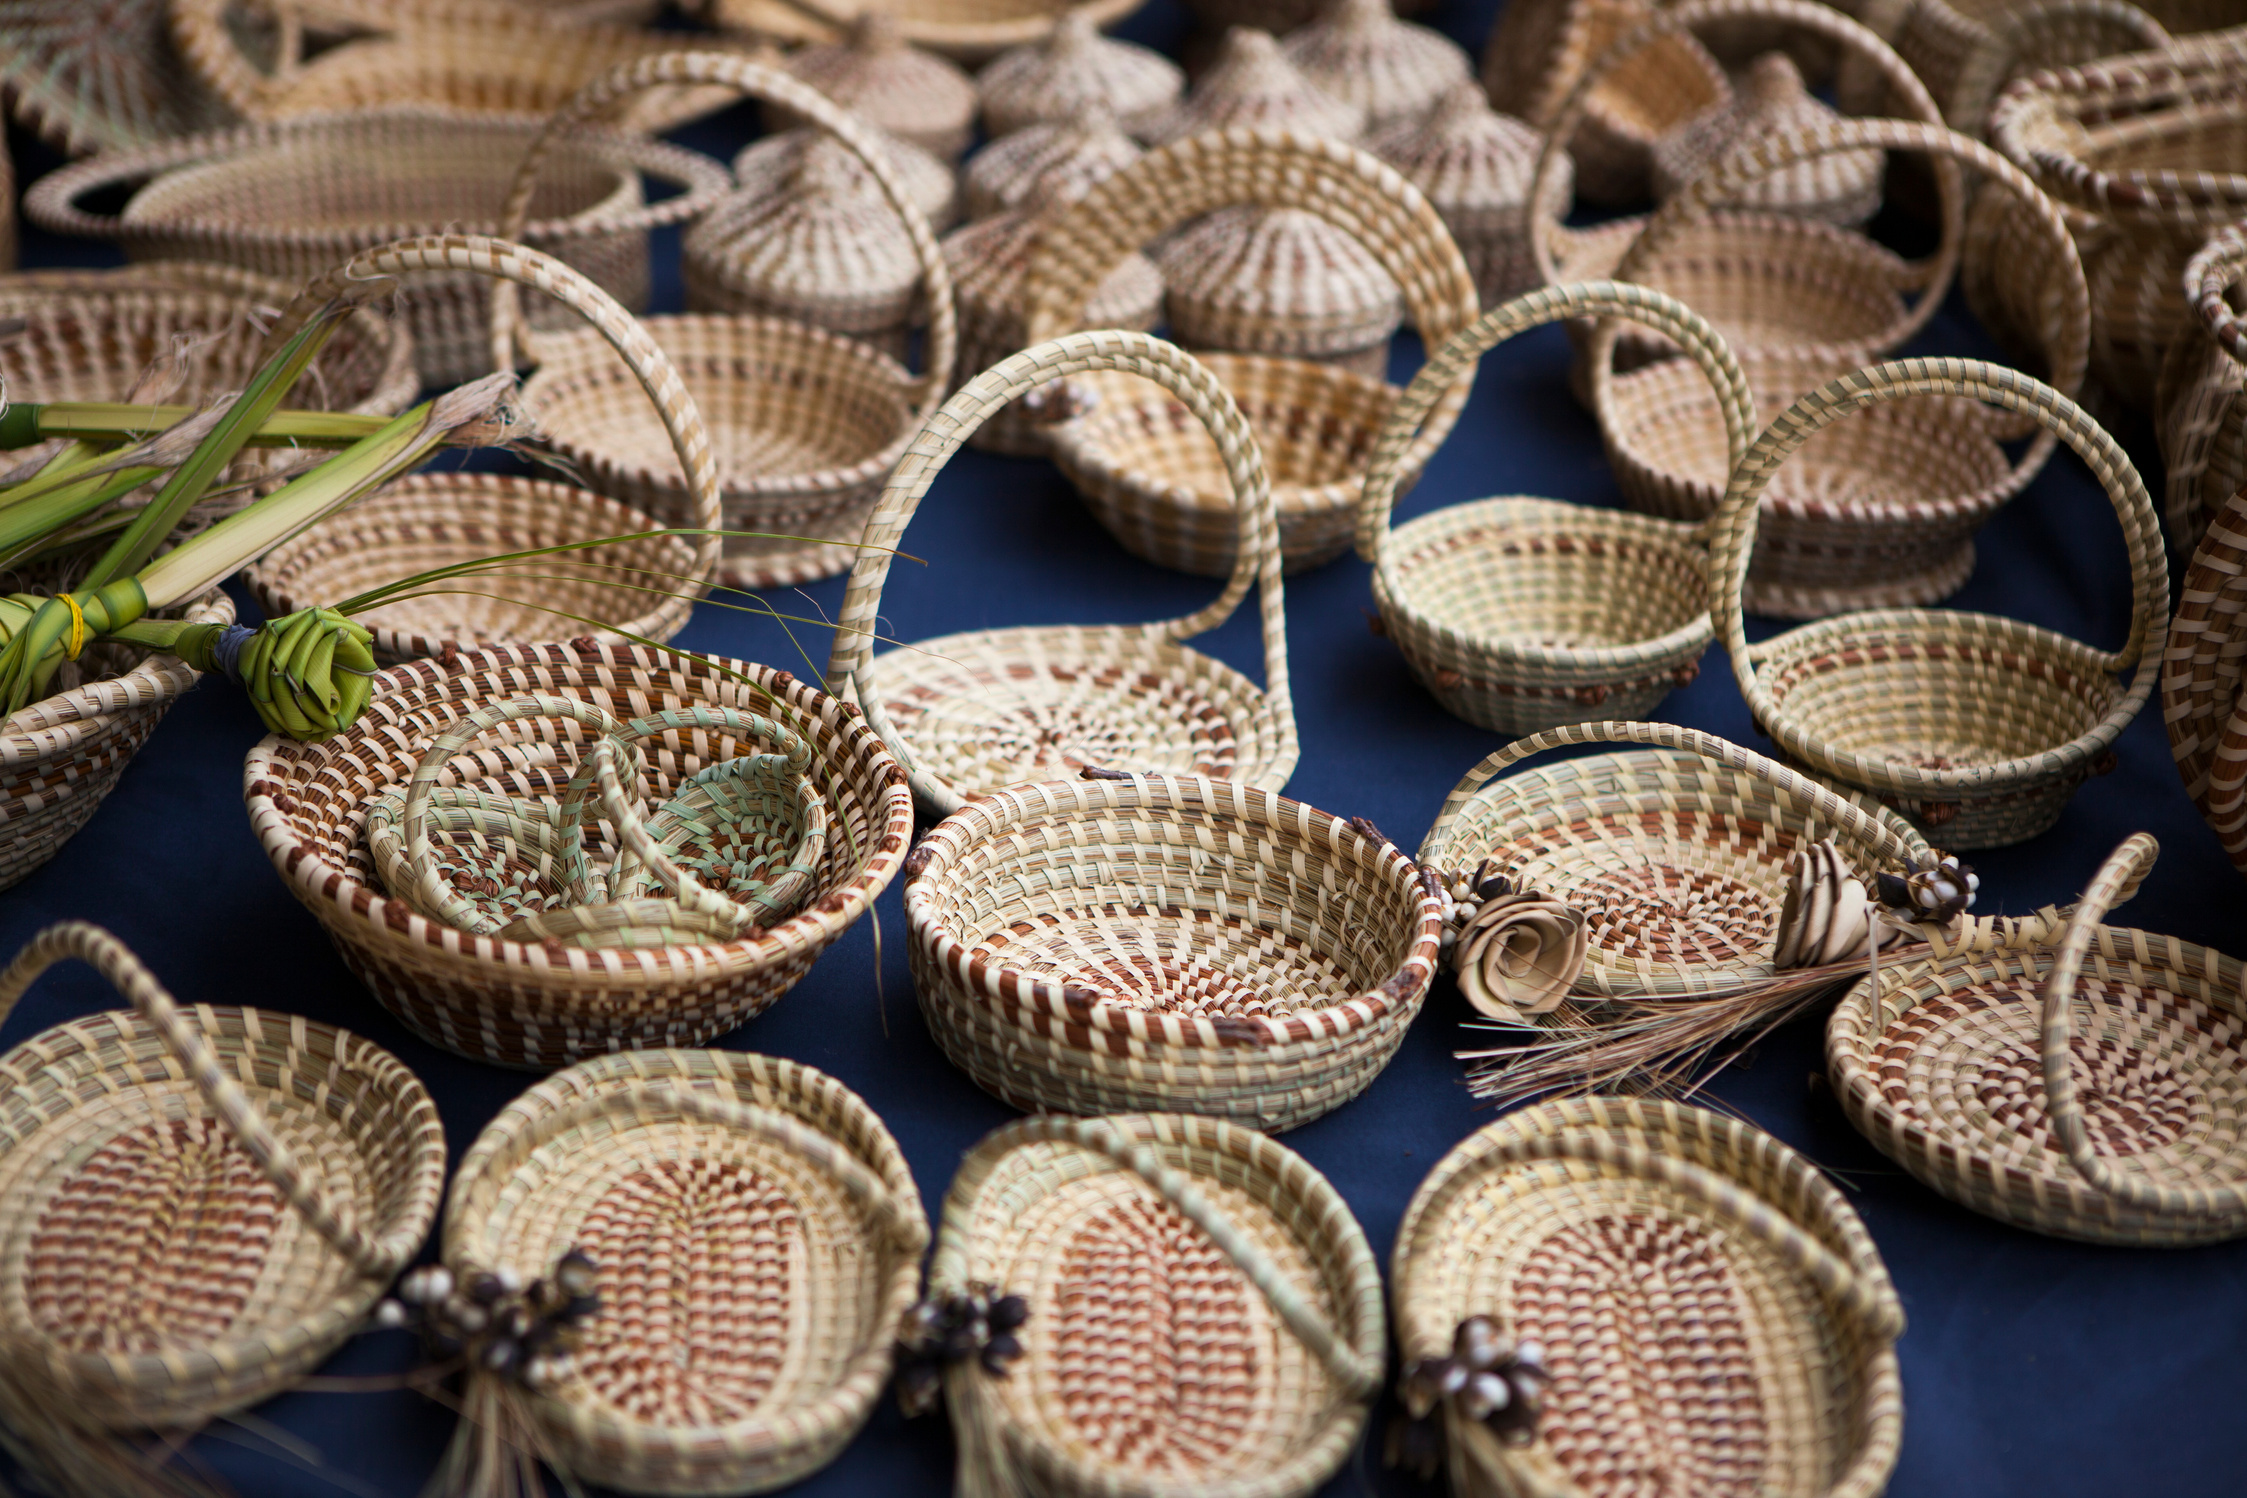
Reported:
(2102, 1106)
(1262, 968)
(712, 1190)
(1204, 1313)
(547, 1006)
(2203, 685)
(1708, 1305)
(2202, 413)
(300, 1166)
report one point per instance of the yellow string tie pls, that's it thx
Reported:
(76, 640)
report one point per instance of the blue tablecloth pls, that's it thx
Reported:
(2031, 1367)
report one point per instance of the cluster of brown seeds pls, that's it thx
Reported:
(1488, 1377)
(525, 1333)
(946, 1329)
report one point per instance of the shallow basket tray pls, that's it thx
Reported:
(546, 1005)
(1689, 1280)
(711, 1189)
(1204, 1313)
(1129, 941)
(2204, 679)
(2202, 398)
(302, 1165)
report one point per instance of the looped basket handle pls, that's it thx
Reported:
(2219, 265)
(1733, 533)
(1357, 1369)
(2189, 445)
(769, 84)
(2013, 34)
(370, 273)
(1880, 828)
(376, 1258)
(1608, 300)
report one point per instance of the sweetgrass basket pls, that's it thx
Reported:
(1249, 84)
(1202, 946)
(1278, 282)
(1358, 51)
(2202, 412)
(804, 423)
(1688, 1281)
(1772, 99)
(965, 30)
(2089, 1089)
(1072, 73)
(711, 1190)
(873, 72)
(302, 1166)
(98, 77)
(766, 162)
(1979, 726)
(1519, 613)
(2025, 38)
(1043, 164)
(1146, 469)
(2203, 685)
(547, 1005)
(967, 713)
(1204, 1316)
(1474, 165)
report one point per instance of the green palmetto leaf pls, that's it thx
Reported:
(28, 423)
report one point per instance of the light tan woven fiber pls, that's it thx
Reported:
(766, 163)
(1075, 72)
(1772, 99)
(1044, 164)
(1251, 85)
(2044, 34)
(97, 75)
(2204, 678)
(881, 78)
(1713, 1316)
(1358, 51)
(967, 31)
(2201, 402)
(1474, 165)
(1204, 1314)
(1279, 281)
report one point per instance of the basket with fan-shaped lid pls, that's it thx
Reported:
(1146, 469)
(1075, 71)
(2202, 398)
(1615, 1287)
(1251, 85)
(1880, 511)
(631, 1204)
(1520, 613)
(204, 1203)
(1773, 100)
(766, 165)
(1279, 282)
(804, 423)
(1043, 164)
(1976, 725)
(1474, 165)
(884, 80)
(2086, 1084)
(1361, 53)
(2026, 37)
(1196, 1313)
(2204, 678)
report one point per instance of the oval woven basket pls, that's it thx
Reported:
(1976, 725)
(965, 30)
(1518, 613)
(2204, 678)
(1705, 1304)
(1075, 72)
(548, 1005)
(2089, 1088)
(967, 713)
(1146, 469)
(1204, 1316)
(2202, 411)
(804, 424)
(303, 1167)
(1076, 948)
(711, 1190)
(1677, 850)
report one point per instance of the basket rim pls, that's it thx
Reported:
(2199, 69)
(57, 724)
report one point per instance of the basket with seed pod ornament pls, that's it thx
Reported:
(882, 79)
(2202, 399)
(1361, 53)
(1143, 466)
(1042, 165)
(1474, 166)
(600, 1228)
(1075, 72)
(303, 1167)
(1567, 1281)
(1251, 85)
(2203, 683)
(1164, 1277)
(2059, 1074)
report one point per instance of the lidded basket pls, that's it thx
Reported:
(893, 86)
(765, 166)
(1772, 100)
(2204, 678)
(1074, 71)
(1362, 54)
(1252, 85)
(1475, 166)
(1279, 281)
(1055, 162)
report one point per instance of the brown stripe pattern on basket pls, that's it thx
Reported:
(2204, 679)
(2202, 397)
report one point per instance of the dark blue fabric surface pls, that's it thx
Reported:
(2031, 1367)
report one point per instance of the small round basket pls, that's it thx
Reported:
(886, 82)
(1772, 99)
(1203, 1314)
(301, 1167)
(1474, 165)
(1251, 85)
(547, 1004)
(1144, 466)
(765, 165)
(2203, 393)
(1976, 725)
(2090, 1089)
(756, 1240)
(1280, 282)
(1075, 72)
(1519, 613)
(1041, 165)
(1362, 54)
(2204, 678)
(1701, 1301)
(1197, 945)
(966, 31)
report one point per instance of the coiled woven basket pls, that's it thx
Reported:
(1645, 1247)
(2204, 679)
(1204, 1313)
(548, 1005)
(1194, 945)
(2202, 398)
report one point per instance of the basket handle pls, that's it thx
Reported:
(200, 32)
(2096, 28)
(376, 1258)
(1357, 1369)
(1733, 532)
(1879, 828)
(2188, 436)
(1608, 299)
(2219, 265)
(370, 273)
(754, 80)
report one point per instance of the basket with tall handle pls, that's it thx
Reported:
(2204, 678)
(2202, 398)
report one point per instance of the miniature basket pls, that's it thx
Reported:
(1676, 851)
(1772, 99)
(1705, 1305)
(1520, 614)
(714, 1191)
(549, 1005)
(2202, 410)
(1203, 1314)
(2132, 1137)
(1074, 72)
(1474, 167)
(1395, 71)
(1282, 283)
(1146, 470)
(290, 201)
(966, 31)
(1251, 85)
(805, 424)
(765, 164)
(203, 1205)
(2025, 38)
(98, 77)
(1976, 725)
(1174, 942)
(2203, 692)
(886, 82)
(1044, 164)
